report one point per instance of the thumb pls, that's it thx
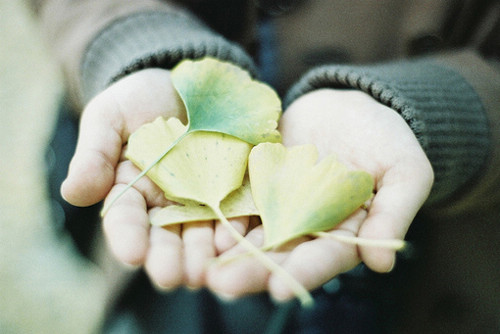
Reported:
(92, 169)
(105, 126)
(391, 212)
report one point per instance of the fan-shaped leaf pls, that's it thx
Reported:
(204, 167)
(222, 97)
(236, 204)
(295, 196)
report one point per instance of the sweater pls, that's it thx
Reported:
(451, 118)
(436, 63)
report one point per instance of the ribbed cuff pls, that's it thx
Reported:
(151, 39)
(441, 108)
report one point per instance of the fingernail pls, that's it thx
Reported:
(61, 190)
(192, 288)
(392, 265)
(224, 297)
(163, 288)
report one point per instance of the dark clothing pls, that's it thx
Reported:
(435, 62)
(450, 99)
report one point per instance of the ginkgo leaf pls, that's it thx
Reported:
(222, 97)
(297, 196)
(236, 204)
(204, 167)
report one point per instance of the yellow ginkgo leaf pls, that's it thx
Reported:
(204, 167)
(297, 196)
(236, 204)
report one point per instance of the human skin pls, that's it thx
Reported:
(363, 134)
(360, 131)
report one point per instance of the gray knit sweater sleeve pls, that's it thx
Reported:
(152, 39)
(441, 108)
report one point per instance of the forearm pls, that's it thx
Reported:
(69, 26)
(444, 111)
(99, 41)
(151, 39)
(484, 77)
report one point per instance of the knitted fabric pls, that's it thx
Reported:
(441, 108)
(151, 39)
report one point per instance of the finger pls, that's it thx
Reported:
(92, 168)
(105, 125)
(313, 263)
(154, 196)
(126, 226)
(241, 275)
(223, 238)
(164, 263)
(397, 201)
(199, 249)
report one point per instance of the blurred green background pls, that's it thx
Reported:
(44, 287)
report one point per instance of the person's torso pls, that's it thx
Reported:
(318, 32)
(308, 33)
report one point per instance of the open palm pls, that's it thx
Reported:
(363, 134)
(172, 256)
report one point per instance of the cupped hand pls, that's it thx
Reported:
(105, 125)
(363, 134)
(173, 255)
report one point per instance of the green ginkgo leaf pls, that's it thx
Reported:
(205, 167)
(297, 196)
(222, 97)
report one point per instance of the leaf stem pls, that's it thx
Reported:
(394, 244)
(144, 172)
(298, 289)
